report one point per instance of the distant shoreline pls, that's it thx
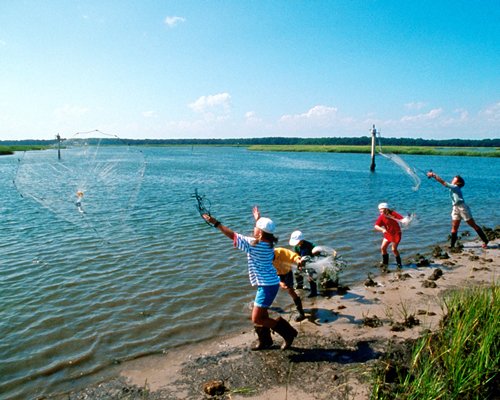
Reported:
(415, 150)
(474, 151)
(9, 150)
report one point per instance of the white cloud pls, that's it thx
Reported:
(318, 113)
(149, 114)
(463, 115)
(173, 21)
(251, 117)
(212, 103)
(415, 105)
(491, 113)
(431, 115)
(68, 111)
(320, 119)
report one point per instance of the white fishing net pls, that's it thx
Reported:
(411, 172)
(325, 265)
(91, 180)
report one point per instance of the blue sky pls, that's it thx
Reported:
(228, 68)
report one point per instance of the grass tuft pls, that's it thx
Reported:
(461, 361)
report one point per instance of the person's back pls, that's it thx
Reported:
(304, 248)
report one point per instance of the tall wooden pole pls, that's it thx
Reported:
(58, 146)
(374, 134)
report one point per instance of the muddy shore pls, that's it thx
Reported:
(341, 341)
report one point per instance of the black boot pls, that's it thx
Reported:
(483, 236)
(399, 263)
(298, 304)
(299, 280)
(454, 238)
(384, 265)
(314, 289)
(287, 331)
(265, 341)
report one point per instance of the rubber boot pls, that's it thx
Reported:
(299, 280)
(265, 341)
(314, 289)
(298, 304)
(287, 331)
(384, 265)
(454, 238)
(483, 237)
(399, 263)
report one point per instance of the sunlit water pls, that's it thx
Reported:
(77, 298)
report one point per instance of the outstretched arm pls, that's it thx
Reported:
(224, 229)
(436, 177)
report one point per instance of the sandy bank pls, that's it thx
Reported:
(341, 340)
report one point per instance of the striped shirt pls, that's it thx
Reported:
(260, 260)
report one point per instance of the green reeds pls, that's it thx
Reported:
(6, 150)
(417, 150)
(461, 361)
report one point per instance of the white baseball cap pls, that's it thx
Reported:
(266, 225)
(296, 237)
(383, 205)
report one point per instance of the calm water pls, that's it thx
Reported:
(143, 273)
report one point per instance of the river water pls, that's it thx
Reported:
(142, 273)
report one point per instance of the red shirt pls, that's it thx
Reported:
(391, 225)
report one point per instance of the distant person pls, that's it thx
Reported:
(283, 261)
(78, 203)
(460, 210)
(260, 254)
(388, 224)
(304, 249)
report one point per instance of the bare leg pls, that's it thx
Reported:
(384, 265)
(395, 249)
(260, 316)
(384, 246)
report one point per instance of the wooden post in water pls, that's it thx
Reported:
(59, 140)
(58, 137)
(374, 134)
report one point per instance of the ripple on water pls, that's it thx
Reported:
(74, 301)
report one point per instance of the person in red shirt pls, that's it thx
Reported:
(388, 224)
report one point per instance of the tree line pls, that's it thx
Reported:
(324, 141)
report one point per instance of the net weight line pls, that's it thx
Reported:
(203, 206)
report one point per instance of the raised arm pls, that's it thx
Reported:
(256, 213)
(431, 174)
(224, 229)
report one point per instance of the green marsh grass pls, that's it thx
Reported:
(418, 150)
(6, 150)
(461, 361)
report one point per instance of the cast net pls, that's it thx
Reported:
(91, 180)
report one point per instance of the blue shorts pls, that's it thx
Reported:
(266, 295)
